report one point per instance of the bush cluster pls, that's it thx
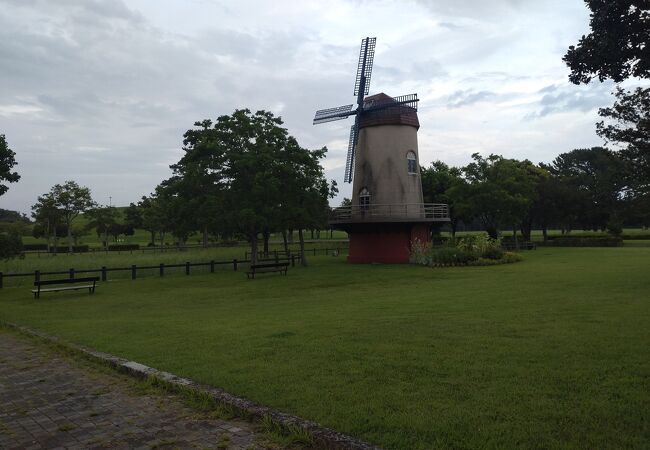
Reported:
(472, 250)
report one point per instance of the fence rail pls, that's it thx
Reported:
(391, 212)
(162, 268)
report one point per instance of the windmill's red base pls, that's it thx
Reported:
(388, 244)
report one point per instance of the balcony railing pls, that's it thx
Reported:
(391, 212)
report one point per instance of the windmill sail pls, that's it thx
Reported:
(352, 145)
(331, 114)
(364, 68)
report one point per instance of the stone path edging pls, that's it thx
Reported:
(322, 436)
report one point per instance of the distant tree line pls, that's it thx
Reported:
(594, 188)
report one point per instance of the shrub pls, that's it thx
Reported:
(11, 245)
(492, 253)
(451, 256)
(420, 253)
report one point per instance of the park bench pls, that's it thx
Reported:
(267, 267)
(72, 281)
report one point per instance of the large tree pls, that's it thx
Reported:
(598, 178)
(249, 176)
(7, 162)
(618, 46)
(627, 124)
(497, 191)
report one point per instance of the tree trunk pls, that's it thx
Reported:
(265, 236)
(312, 234)
(303, 259)
(56, 241)
(69, 237)
(162, 238)
(514, 234)
(253, 238)
(205, 236)
(545, 232)
(290, 236)
(331, 233)
(153, 238)
(284, 241)
(454, 225)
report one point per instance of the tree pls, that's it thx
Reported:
(48, 218)
(618, 46)
(597, 177)
(496, 191)
(71, 200)
(154, 217)
(244, 174)
(628, 125)
(7, 162)
(437, 180)
(102, 218)
(133, 215)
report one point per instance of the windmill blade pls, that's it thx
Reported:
(364, 68)
(401, 104)
(352, 145)
(331, 114)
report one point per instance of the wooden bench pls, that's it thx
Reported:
(267, 267)
(73, 281)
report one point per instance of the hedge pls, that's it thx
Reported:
(123, 247)
(34, 247)
(64, 249)
(604, 241)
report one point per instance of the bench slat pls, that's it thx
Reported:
(69, 288)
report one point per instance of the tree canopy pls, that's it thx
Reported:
(618, 46)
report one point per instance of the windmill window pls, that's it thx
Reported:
(364, 199)
(412, 163)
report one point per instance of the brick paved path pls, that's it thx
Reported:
(49, 401)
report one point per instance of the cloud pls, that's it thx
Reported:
(557, 99)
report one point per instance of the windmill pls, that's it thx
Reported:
(387, 213)
(392, 105)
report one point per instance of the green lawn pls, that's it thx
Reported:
(552, 352)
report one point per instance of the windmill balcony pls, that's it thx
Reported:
(397, 212)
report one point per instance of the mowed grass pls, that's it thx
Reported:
(552, 352)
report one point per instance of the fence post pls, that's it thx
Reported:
(293, 260)
(162, 269)
(276, 256)
(133, 271)
(212, 266)
(234, 265)
(187, 268)
(0, 280)
(72, 274)
(37, 275)
(103, 273)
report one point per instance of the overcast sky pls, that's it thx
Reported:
(101, 91)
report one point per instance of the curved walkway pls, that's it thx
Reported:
(50, 401)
